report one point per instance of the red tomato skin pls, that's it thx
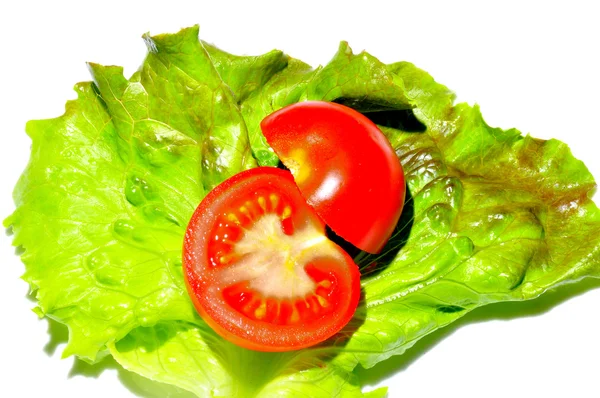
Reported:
(345, 168)
(200, 281)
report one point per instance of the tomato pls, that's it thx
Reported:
(260, 269)
(344, 166)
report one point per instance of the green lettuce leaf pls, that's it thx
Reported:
(491, 215)
(192, 357)
(110, 187)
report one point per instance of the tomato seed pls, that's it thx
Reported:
(233, 218)
(262, 203)
(322, 301)
(244, 210)
(255, 210)
(326, 283)
(314, 304)
(252, 306)
(295, 317)
(261, 311)
(228, 258)
(274, 199)
(321, 291)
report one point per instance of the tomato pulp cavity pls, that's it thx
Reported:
(344, 166)
(260, 269)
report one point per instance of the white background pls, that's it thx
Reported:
(534, 67)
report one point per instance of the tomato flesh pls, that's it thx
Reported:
(344, 166)
(260, 269)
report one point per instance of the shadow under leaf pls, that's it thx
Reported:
(135, 383)
(58, 334)
(491, 312)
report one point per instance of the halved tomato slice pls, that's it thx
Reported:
(260, 269)
(344, 166)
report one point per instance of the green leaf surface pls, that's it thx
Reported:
(194, 358)
(357, 80)
(110, 187)
(491, 215)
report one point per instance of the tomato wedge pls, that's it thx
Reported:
(260, 269)
(344, 166)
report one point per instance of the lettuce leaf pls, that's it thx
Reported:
(111, 185)
(491, 215)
